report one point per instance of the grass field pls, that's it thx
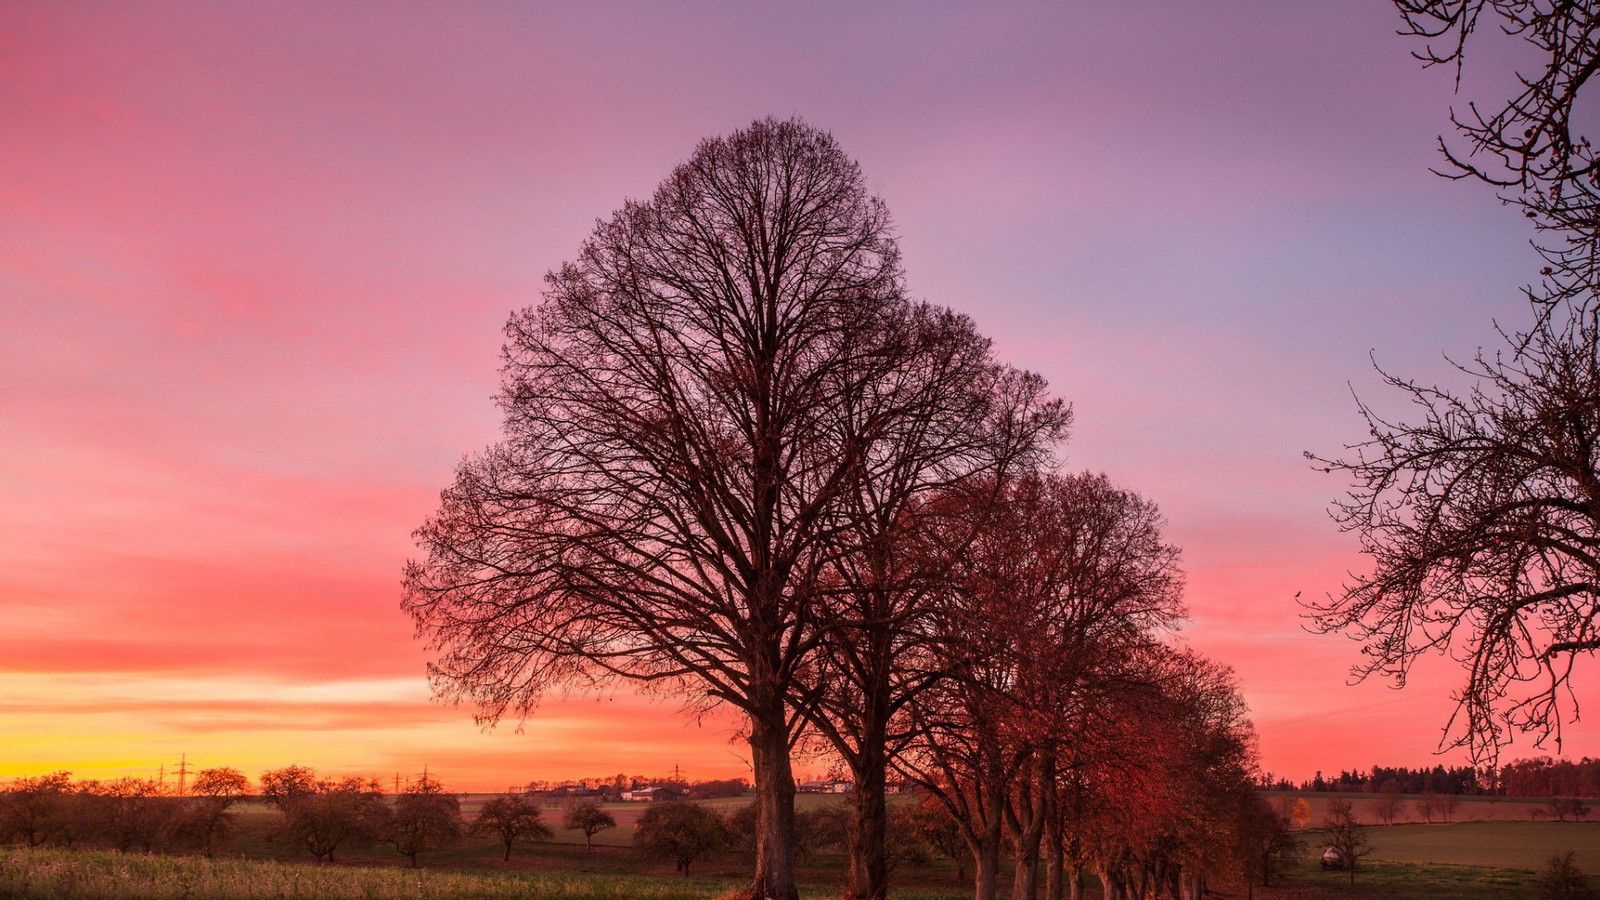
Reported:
(1401, 881)
(47, 874)
(82, 875)
(1520, 845)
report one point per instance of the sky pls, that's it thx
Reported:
(255, 260)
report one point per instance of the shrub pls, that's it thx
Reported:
(682, 832)
(1561, 880)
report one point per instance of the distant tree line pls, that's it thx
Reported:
(1539, 777)
(1547, 777)
(1454, 780)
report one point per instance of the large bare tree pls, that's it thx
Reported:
(675, 465)
(1482, 518)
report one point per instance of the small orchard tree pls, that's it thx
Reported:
(424, 817)
(1564, 808)
(36, 810)
(1388, 808)
(208, 818)
(935, 826)
(1427, 807)
(681, 831)
(588, 817)
(1265, 840)
(1448, 805)
(1347, 836)
(132, 812)
(510, 819)
(322, 815)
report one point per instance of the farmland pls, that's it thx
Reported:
(1479, 859)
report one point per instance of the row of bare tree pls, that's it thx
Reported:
(740, 464)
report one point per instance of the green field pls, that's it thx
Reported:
(1514, 845)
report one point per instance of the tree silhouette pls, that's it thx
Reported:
(511, 818)
(213, 795)
(423, 817)
(1050, 609)
(1346, 835)
(674, 466)
(323, 815)
(1483, 522)
(968, 424)
(587, 816)
(681, 831)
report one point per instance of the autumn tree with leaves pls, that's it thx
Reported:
(1046, 612)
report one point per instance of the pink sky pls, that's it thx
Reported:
(254, 262)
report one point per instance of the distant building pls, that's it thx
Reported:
(649, 794)
(834, 786)
(570, 792)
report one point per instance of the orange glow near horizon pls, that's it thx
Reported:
(111, 726)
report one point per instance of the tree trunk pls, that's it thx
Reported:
(986, 853)
(1026, 814)
(1113, 883)
(869, 871)
(869, 764)
(1054, 850)
(769, 752)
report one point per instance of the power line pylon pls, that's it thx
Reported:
(183, 774)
